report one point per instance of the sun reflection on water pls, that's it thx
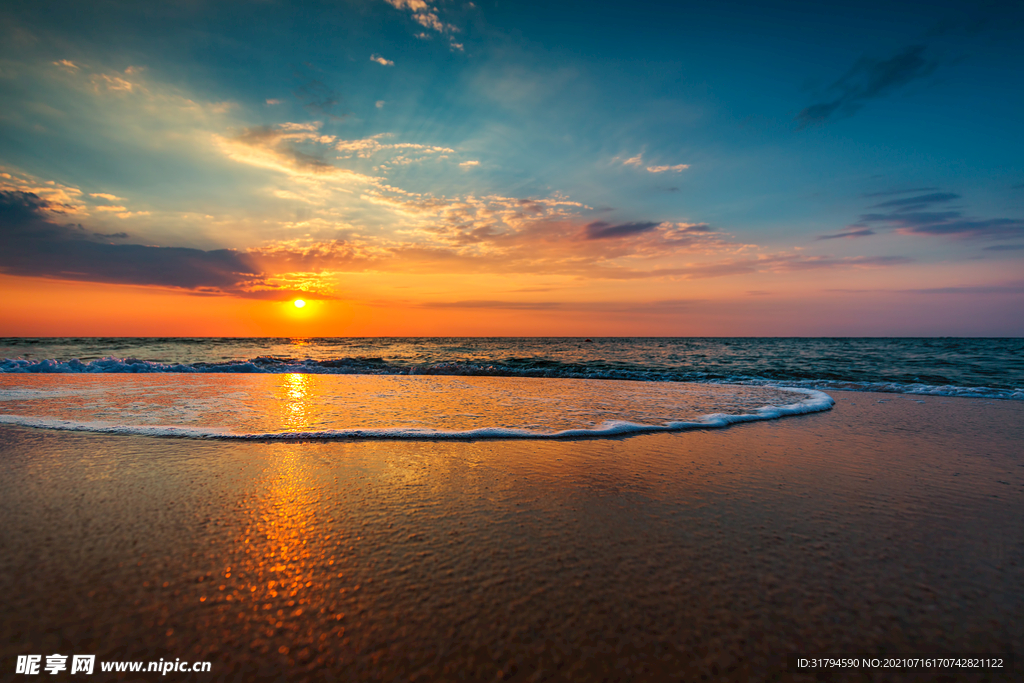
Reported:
(298, 413)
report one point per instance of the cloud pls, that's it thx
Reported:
(471, 162)
(1005, 247)
(658, 307)
(638, 161)
(399, 153)
(280, 148)
(425, 15)
(380, 104)
(67, 64)
(912, 216)
(107, 196)
(414, 5)
(36, 246)
(868, 79)
(600, 230)
(850, 234)
(922, 201)
(1010, 288)
(380, 60)
(115, 83)
(662, 169)
(888, 193)
(274, 102)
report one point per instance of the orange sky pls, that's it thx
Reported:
(42, 307)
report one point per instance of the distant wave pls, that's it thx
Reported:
(813, 402)
(551, 369)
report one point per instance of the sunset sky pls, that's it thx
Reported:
(447, 168)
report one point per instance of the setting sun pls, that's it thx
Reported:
(299, 303)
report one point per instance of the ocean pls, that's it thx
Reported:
(279, 388)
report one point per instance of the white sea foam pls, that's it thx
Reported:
(811, 401)
(1016, 394)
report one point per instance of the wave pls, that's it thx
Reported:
(813, 402)
(538, 368)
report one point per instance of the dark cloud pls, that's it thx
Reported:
(889, 193)
(910, 215)
(863, 232)
(35, 246)
(922, 201)
(948, 223)
(112, 235)
(868, 79)
(599, 230)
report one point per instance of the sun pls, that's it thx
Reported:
(299, 303)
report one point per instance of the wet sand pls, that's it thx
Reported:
(888, 525)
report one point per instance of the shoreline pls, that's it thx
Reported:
(886, 525)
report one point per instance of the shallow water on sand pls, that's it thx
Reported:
(343, 406)
(882, 526)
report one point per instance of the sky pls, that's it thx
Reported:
(498, 168)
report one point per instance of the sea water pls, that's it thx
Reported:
(471, 387)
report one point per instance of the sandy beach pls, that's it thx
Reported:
(889, 525)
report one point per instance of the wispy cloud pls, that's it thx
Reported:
(849, 234)
(380, 60)
(888, 193)
(280, 148)
(427, 16)
(868, 79)
(638, 308)
(921, 201)
(662, 169)
(638, 162)
(929, 214)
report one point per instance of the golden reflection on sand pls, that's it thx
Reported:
(282, 555)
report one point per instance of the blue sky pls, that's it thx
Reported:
(555, 160)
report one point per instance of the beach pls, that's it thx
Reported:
(889, 525)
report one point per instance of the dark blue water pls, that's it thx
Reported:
(944, 366)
